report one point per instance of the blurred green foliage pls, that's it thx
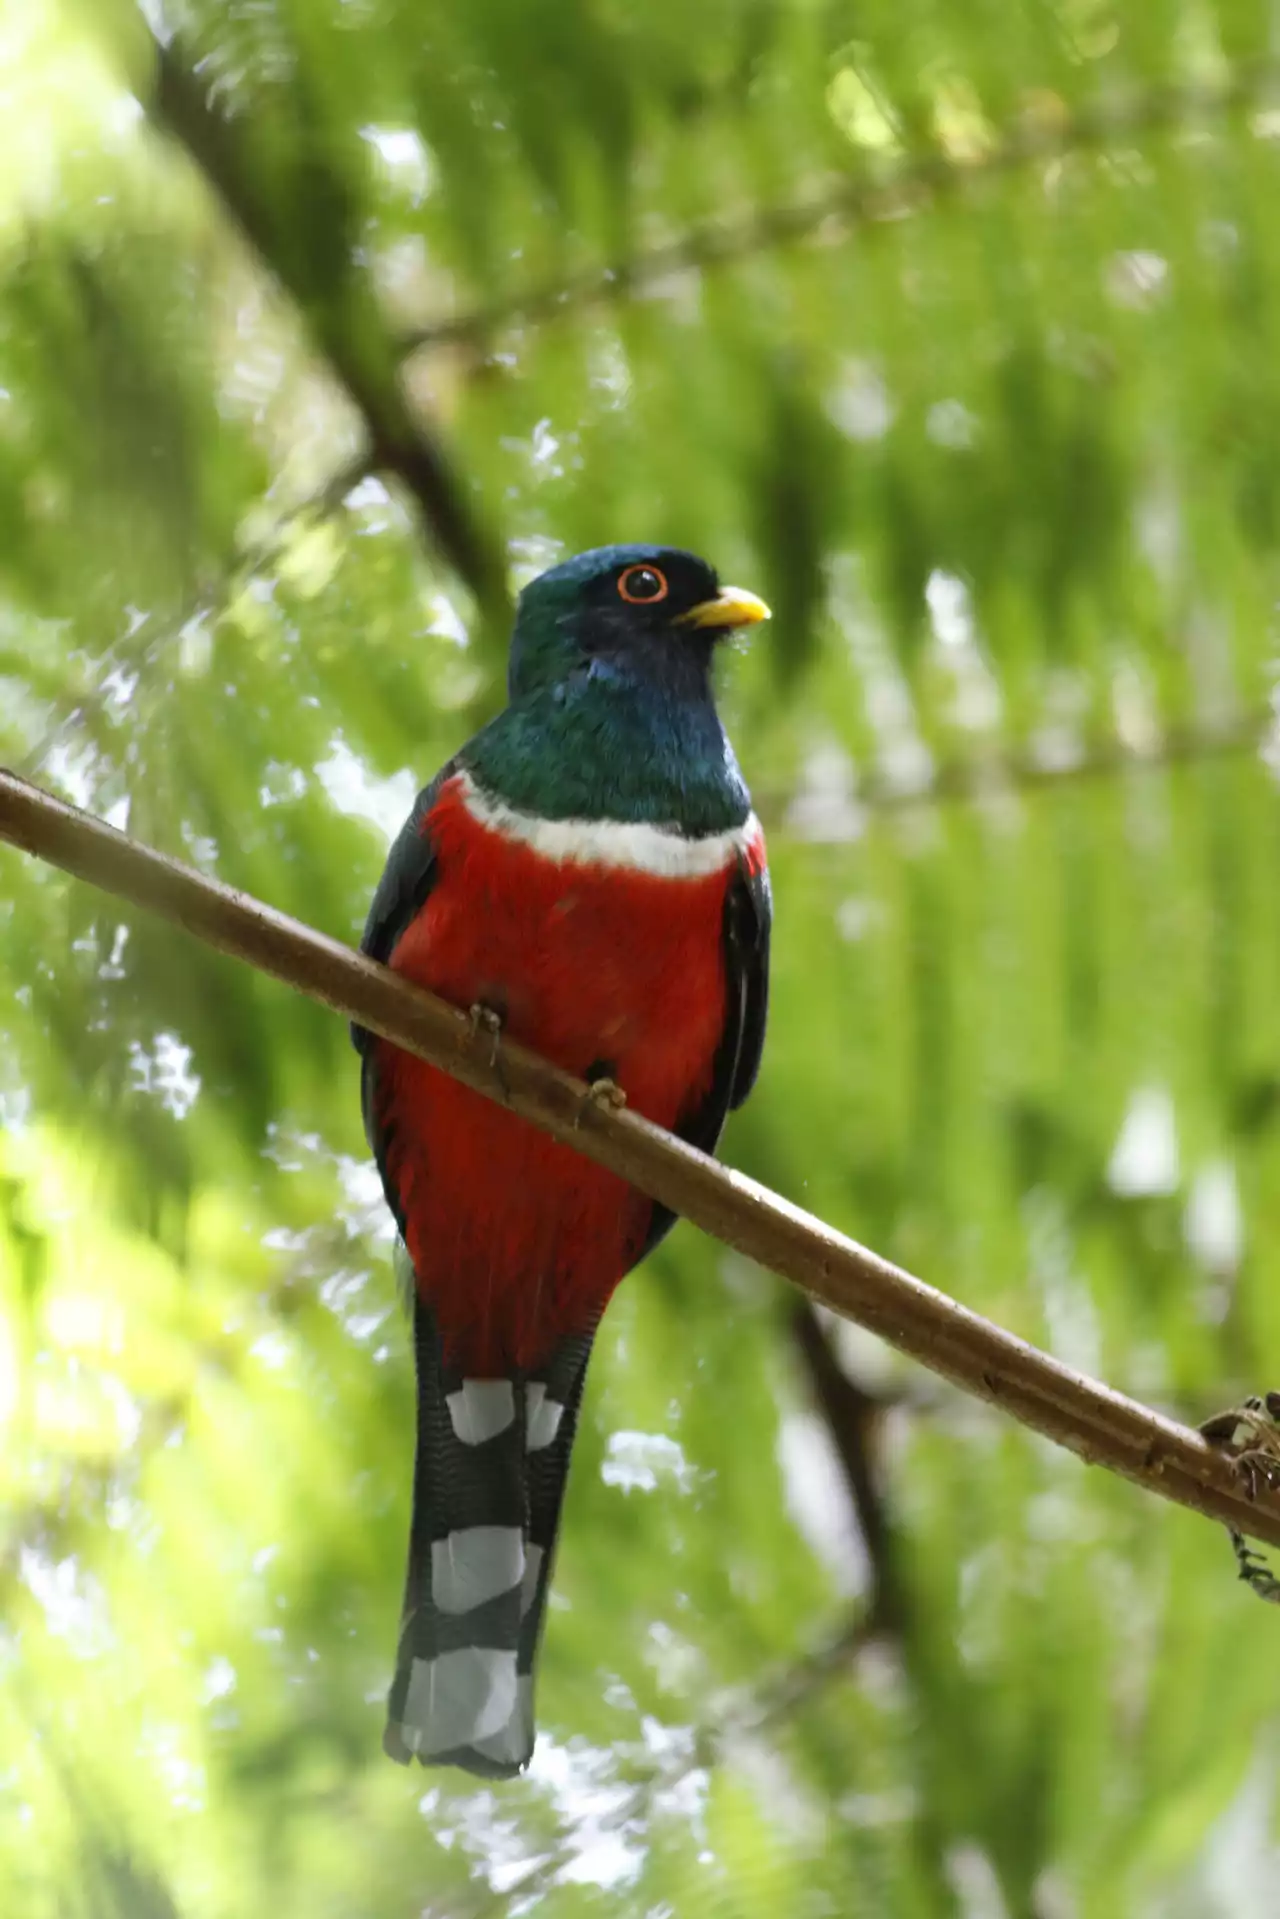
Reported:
(1001, 449)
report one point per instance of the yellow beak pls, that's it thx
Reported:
(732, 606)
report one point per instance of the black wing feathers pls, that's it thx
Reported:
(407, 879)
(748, 917)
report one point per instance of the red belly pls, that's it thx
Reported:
(516, 1240)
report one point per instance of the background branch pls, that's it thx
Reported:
(649, 1780)
(859, 201)
(852, 1415)
(1101, 1426)
(976, 777)
(337, 306)
(250, 559)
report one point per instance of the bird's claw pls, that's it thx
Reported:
(487, 1019)
(1250, 1436)
(605, 1093)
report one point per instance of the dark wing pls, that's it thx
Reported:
(748, 918)
(407, 879)
(750, 909)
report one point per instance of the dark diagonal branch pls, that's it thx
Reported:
(1101, 1426)
(852, 1415)
(861, 200)
(337, 306)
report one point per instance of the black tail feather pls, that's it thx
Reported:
(489, 1480)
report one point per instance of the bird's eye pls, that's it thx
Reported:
(642, 584)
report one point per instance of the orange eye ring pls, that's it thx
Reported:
(643, 585)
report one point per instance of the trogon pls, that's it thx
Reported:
(587, 874)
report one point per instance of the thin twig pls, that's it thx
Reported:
(850, 1413)
(1101, 1426)
(780, 1698)
(250, 560)
(343, 322)
(756, 1709)
(857, 201)
(982, 778)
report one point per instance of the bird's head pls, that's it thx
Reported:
(643, 612)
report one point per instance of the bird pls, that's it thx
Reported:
(587, 875)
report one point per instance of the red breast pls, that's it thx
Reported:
(518, 1241)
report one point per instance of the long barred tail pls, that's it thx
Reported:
(489, 1480)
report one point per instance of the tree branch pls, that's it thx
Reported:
(338, 310)
(973, 778)
(857, 201)
(851, 1415)
(1099, 1425)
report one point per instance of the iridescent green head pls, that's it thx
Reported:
(653, 611)
(611, 713)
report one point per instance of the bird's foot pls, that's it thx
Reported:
(601, 1092)
(1250, 1436)
(488, 1020)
